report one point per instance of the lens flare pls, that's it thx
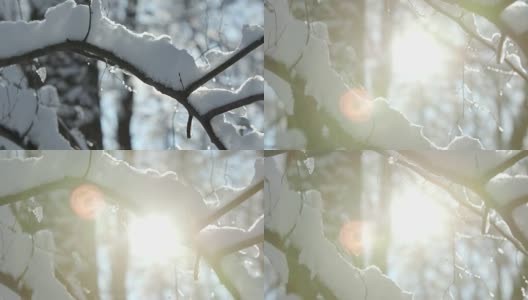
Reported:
(417, 218)
(154, 238)
(87, 201)
(417, 56)
(356, 105)
(351, 237)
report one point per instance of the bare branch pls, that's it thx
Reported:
(248, 193)
(505, 165)
(11, 283)
(223, 66)
(15, 138)
(233, 105)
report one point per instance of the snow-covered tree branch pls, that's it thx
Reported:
(487, 192)
(91, 175)
(328, 92)
(294, 225)
(152, 59)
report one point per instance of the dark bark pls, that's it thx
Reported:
(299, 280)
(520, 124)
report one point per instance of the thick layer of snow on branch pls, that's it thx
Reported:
(462, 164)
(146, 189)
(464, 143)
(33, 118)
(140, 190)
(30, 259)
(155, 56)
(505, 188)
(511, 190)
(214, 239)
(291, 42)
(153, 59)
(465, 158)
(299, 222)
(515, 16)
(205, 99)
(280, 87)
(250, 34)
(230, 137)
(248, 286)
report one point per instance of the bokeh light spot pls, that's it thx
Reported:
(350, 237)
(87, 201)
(356, 106)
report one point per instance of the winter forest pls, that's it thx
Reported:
(263, 149)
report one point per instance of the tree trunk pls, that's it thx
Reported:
(124, 136)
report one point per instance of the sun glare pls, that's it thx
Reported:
(416, 55)
(154, 238)
(417, 218)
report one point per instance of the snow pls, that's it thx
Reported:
(515, 16)
(205, 99)
(42, 73)
(30, 258)
(32, 118)
(292, 138)
(247, 286)
(465, 143)
(48, 96)
(41, 269)
(282, 88)
(29, 116)
(217, 239)
(278, 262)
(152, 57)
(462, 163)
(299, 222)
(37, 171)
(146, 190)
(250, 34)
(505, 188)
(156, 57)
(142, 191)
(287, 42)
(230, 137)
(259, 170)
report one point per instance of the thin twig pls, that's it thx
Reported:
(215, 215)
(89, 21)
